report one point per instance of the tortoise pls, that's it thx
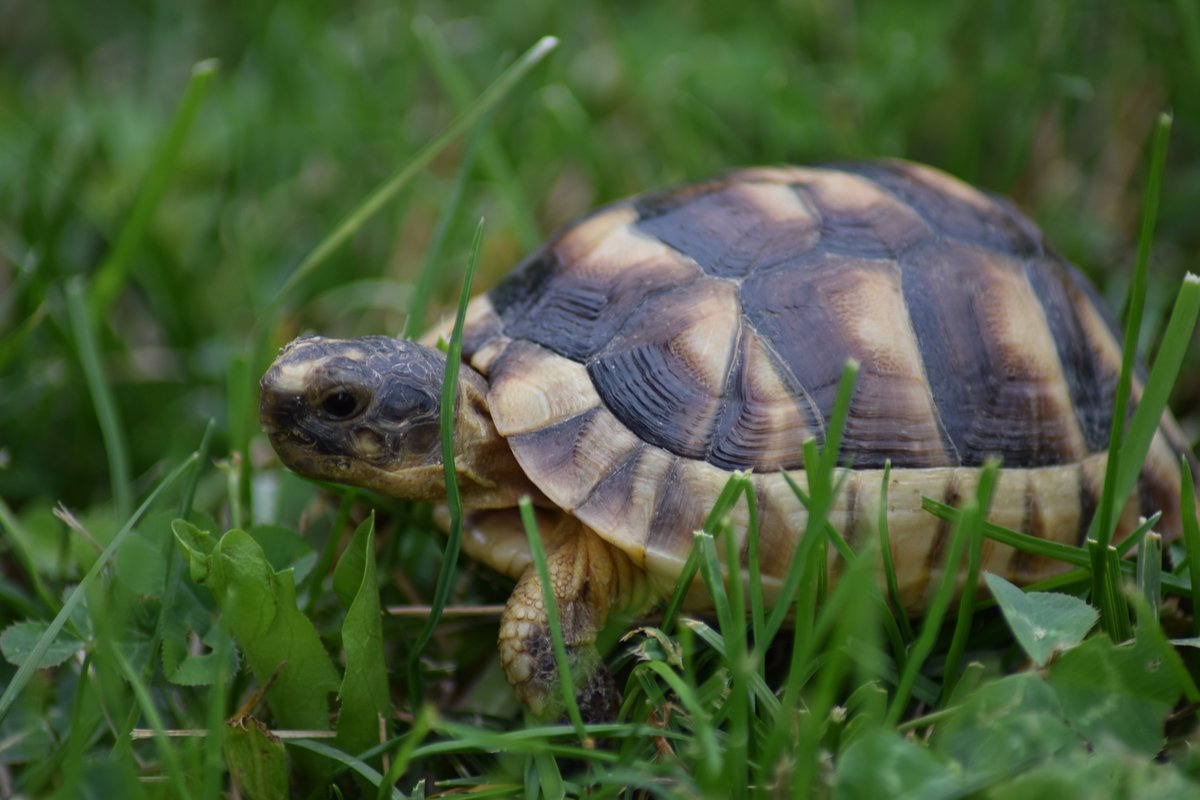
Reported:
(629, 366)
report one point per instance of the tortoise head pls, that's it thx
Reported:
(361, 411)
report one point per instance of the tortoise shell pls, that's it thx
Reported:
(650, 349)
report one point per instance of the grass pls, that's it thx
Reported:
(184, 188)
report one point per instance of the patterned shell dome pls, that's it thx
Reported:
(651, 348)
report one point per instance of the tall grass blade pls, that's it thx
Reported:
(969, 522)
(166, 752)
(115, 446)
(819, 502)
(724, 503)
(338, 757)
(1149, 573)
(111, 274)
(456, 84)
(1191, 534)
(441, 592)
(966, 604)
(26, 670)
(432, 263)
(20, 541)
(1108, 594)
(566, 680)
(392, 186)
(885, 552)
(1104, 524)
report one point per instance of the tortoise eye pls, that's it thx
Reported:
(340, 405)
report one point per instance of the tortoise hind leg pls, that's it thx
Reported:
(589, 578)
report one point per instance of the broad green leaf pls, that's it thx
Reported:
(883, 764)
(201, 669)
(260, 607)
(285, 549)
(1083, 776)
(1117, 696)
(364, 693)
(141, 566)
(256, 759)
(18, 640)
(1006, 726)
(1043, 622)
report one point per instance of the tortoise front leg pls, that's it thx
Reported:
(590, 578)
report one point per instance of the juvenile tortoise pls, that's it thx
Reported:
(626, 368)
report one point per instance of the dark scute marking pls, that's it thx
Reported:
(850, 533)
(676, 514)
(990, 399)
(1021, 564)
(882, 230)
(1088, 503)
(723, 232)
(788, 310)
(650, 377)
(557, 444)
(646, 389)
(513, 296)
(545, 302)
(1000, 228)
(795, 312)
(948, 341)
(937, 550)
(1061, 290)
(658, 203)
(615, 490)
(570, 310)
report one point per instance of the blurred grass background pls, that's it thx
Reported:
(315, 103)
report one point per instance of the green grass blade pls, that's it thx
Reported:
(422, 725)
(432, 262)
(115, 447)
(445, 579)
(972, 518)
(1042, 548)
(329, 552)
(392, 186)
(966, 604)
(885, 552)
(456, 84)
(189, 487)
(724, 503)
(1107, 593)
(818, 502)
(19, 540)
(26, 670)
(213, 767)
(166, 752)
(710, 763)
(338, 757)
(758, 614)
(1191, 533)
(1144, 424)
(1149, 573)
(1104, 524)
(763, 694)
(112, 273)
(566, 680)
(1135, 539)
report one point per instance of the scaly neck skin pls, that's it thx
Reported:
(488, 473)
